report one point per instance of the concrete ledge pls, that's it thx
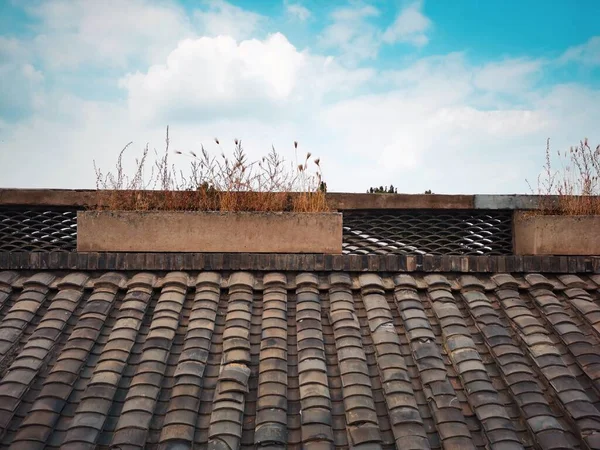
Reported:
(556, 234)
(337, 200)
(48, 197)
(344, 202)
(194, 231)
(102, 261)
(523, 202)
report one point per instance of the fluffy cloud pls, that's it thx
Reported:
(11, 49)
(511, 76)
(352, 34)
(587, 53)
(15, 72)
(111, 33)
(297, 11)
(410, 26)
(218, 77)
(440, 123)
(427, 118)
(70, 34)
(224, 19)
(427, 113)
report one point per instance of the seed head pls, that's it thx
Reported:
(295, 144)
(217, 141)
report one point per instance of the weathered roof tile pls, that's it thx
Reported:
(279, 360)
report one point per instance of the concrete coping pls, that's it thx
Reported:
(338, 201)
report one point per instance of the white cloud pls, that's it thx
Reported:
(218, 77)
(410, 127)
(297, 11)
(587, 53)
(352, 34)
(410, 26)
(224, 19)
(212, 76)
(440, 123)
(511, 75)
(11, 49)
(427, 132)
(31, 74)
(424, 131)
(354, 14)
(56, 147)
(110, 33)
(72, 34)
(21, 89)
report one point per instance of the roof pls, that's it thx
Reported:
(320, 359)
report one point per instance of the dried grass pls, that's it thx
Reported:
(213, 183)
(574, 188)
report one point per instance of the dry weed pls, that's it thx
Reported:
(214, 183)
(574, 188)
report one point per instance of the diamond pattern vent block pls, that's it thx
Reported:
(37, 229)
(461, 232)
(428, 232)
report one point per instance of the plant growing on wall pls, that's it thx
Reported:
(213, 183)
(388, 190)
(574, 187)
(383, 190)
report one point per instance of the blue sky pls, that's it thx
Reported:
(451, 96)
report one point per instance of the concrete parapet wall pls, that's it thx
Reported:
(168, 231)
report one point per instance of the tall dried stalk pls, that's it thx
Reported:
(575, 185)
(214, 183)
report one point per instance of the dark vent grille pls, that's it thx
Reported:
(37, 229)
(428, 232)
(433, 232)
